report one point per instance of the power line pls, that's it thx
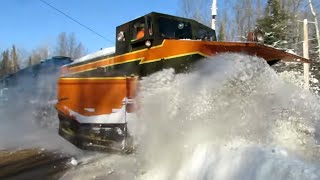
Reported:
(66, 15)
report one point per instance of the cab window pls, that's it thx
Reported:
(150, 26)
(204, 33)
(174, 29)
(138, 29)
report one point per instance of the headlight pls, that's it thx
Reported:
(148, 43)
(120, 36)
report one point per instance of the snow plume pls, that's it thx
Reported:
(297, 78)
(233, 118)
(292, 72)
(28, 119)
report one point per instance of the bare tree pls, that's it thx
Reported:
(222, 32)
(315, 24)
(79, 51)
(242, 17)
(38, 54)
(23, 55)
(199, 10)
(68, 46)
(237, 17)
(62, 46)
(259, 9)
(71, 45)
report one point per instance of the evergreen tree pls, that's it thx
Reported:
(5, 63)
(14, 60)
(275, 25)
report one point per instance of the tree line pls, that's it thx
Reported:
(279, 20)
(13, 59)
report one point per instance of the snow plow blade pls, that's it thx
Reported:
(270, 54)
(97, 119)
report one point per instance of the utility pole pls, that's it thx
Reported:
(214, 14)
(306, 66)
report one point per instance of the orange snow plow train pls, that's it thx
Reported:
(96, 93)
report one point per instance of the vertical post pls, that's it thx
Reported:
(306, 66)
(214, 13)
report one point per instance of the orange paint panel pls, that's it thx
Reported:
(103, 95)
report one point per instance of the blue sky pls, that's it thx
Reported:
(31, 23)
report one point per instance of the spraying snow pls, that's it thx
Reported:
(29, 119)
(233, 118)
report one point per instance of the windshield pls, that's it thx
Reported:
(138, 29)
(174, 29)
